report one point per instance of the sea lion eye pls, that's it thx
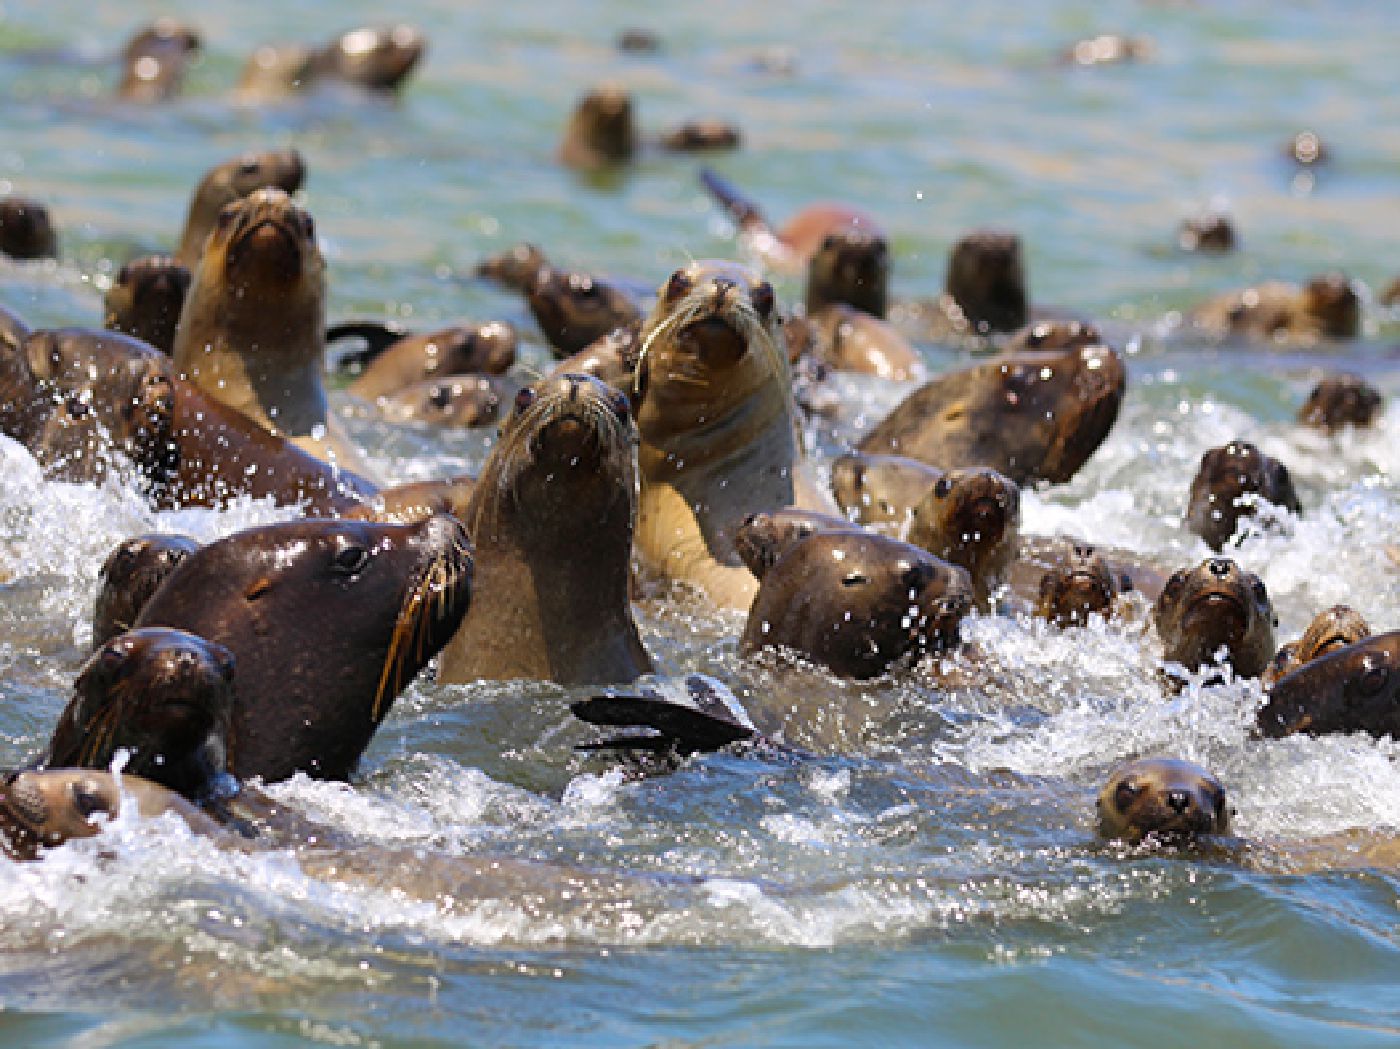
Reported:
(112, 657)
(942, 487)
(441, 397)
(762, 297)
(87, 800)
(1372, 680)
(77, 409)
(248, 166)
(1124, 794)
(524, 399)
(351, 559)
(227, 214)
(679, 285)
(854, 579)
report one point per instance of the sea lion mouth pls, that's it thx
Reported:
(270, 243)
(713, 340)
(1217, 616)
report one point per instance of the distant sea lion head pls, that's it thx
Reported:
(1081, 586)
(459, 401)
(575, 309)
(971, 517)
(600, 129)
(1332, 301)
(1355, 688)
(987, 280)
(232, 180)
(1164, 799)
(1216, 604)
(26, 231)
(1225, 475)
(1341, 400)
(145, 299)
(880, 488)
(764, 538)
(379, 58)
(155, 58)
(851, 266)
(1211, 231)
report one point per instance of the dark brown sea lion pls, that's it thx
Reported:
(1341, 400)
(971, 517)
(1226, 474)
(26, 231)
(155, 59)
(551, 519)
(1216, 605)
(613, 358)
(328, 620)
(1164, 799)
(600, 130)
(715, 413)
(986, 281)
(700, 136)
(376, 58)
(574, 310)
(513, 268)
(1083, 584)
(1053, 335)
(1326, 307)
(145, 300)
(129, 576)
(848, 339)
(1209, 232)
(881, 490)
(1033, 416)
(252, 333)
(232, 180)
(858, 603)
(459, 350)
(455, 401)
(164, 696)
(851, 267)
(763, 539)
(1330, 629)
(1107, 49)
(1351, 689)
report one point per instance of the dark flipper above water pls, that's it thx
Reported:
(704, 717)
(376, 336)
(741, 209)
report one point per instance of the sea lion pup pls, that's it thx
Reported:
(1341, 400)
(1226, 474)
(858, 603)
(851, 340)
(1163, 799)
(575, 309)
(700, 136)
(26, 231)
(129, 576)
(1326, 307)
(1216, 604)
(462, 349)
(970, 517)
(881, 491)
(376, 58)
(1033, 416)
(328, 620)
(1211, 232)
(790, 247)
(551, 520)
(453, 401)
(715, 415)
(145, 300)
(613, 358)
(252, 333)
(513, 268)
(164, 696)
(1351, 689)
(1330, 629)
(155, 59)
(229, 181)
(851, 267)
(600, 131)
(764, 539)
(1081, 585)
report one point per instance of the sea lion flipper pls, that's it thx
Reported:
(741, 209)
(705, 717)
(376, 336)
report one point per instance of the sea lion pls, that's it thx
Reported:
(129, 576)
(232, 180)
(881, 491)
(1330, 629)
(456, 351)
(858, 603)
(513, 268)
(1033, 416)
(986, 281)
(1081, 585)
(613, 358)
(26, 231)
(1216, 605)
(575, 309)
(851, 267)
(1351, 689)
(1211, 232)
(551, 519)
(700, 136)
(600, 131)
(1163, 799)
(1326, 307)
(1107, 49)
(454, 401)
(145, 299)
(1226, 474)
(850, 340)
(971, 517)
(1341, 400)
(1060, 334)
(715, 414)
(155, 59)
(252, 333)
(328, 620)
(763, 539)
(164, 696)
(376, 58)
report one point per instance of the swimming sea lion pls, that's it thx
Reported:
(851, 340)
(613, 358)
(551, 520)
(1165, 799)
(328, 621)
(575, 309)
(232, 180)
(252, 333)
(858, 603)
(456, 351)
(986, 281)
(1033, 416)
(1053, 335)
(1083, 584)
(971, 517)
(454, 401)
(1326, 307)
(1341, 400)
(155, 59)
(1226, 474)
(513, 268)
(26, 231)
(600, 130)
(376, 58)
(852, 266)
(164, 696)
(763, 539)
(145, 300)
(700, 136)
(1330, 629)
(1209, 232)
(718, 443)
(881, 491)
(1351, 689)
(129, 576)
(1216, 605)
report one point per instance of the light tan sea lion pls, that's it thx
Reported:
(970, 517)
(881, 491)
(275, 71)
(1107, 49)
(462, 349)
(1330, 629)
(155, 59)
(146, 298)
(229, 181)
(613, 358)
(718, 440)
(1171, 801)
(1276, 312)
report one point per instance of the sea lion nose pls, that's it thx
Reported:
(1178, 801)
(723, 286)
(1220, 567)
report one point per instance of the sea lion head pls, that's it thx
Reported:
(858, 603)
(262, 243)
(1211, 231)
(1355, 688)
(574, 309)
(458, 401)
(1216, 604)
(711, 343)
(1164, 799)
(1331, 301)
(232, 180)
(851, 266)
(515, 267)
(165, 696)
(600, 130)
(145, 299)
(378, 58)
(876, 489)
(699, 136)
(987, 281)
(46, 808)
(26, 231)
(1080, 586)
(970, 517)
(1341, 400)
(1225, 475)
(155, 58)
(764, 538)
(129, 576)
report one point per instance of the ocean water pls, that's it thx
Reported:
(931, 877)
